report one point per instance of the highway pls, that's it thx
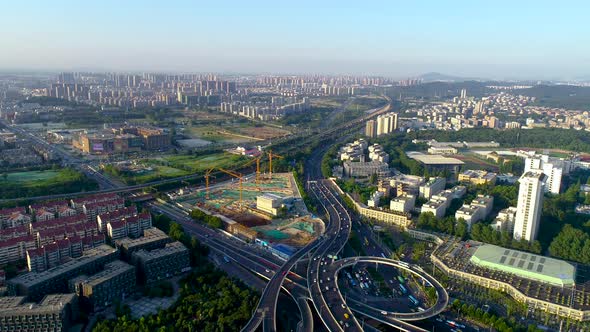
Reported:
(247, 256)
(442, 295)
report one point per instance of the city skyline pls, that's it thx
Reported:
(496, 41)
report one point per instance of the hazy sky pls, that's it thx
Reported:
(499, 39)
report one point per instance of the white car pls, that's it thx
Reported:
(384, 313)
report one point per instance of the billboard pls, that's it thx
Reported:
(97, 147)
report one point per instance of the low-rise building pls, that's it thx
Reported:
(404, 203)
(504, 222)
(365, 169)
(55, 312)
(375, 199)
(477, 177)
(442, 150)
(436, 207)
(242, 231)
(161, 263)
(477, 210)
(13, 250)
(269, 203)
(55, 280)
(152, 238)
(433, 186)
(116, 281)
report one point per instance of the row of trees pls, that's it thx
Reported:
(571, 244)
(211, 221)
(543, 138)
(485, 233)
(500, 324)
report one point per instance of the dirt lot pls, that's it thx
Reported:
(263, 132)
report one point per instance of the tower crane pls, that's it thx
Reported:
(237, 176)
(207, 175)
(270, 156)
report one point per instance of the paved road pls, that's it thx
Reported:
(323, 288)
(437, 308)
(67, 159)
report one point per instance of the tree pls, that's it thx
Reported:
(461, 228)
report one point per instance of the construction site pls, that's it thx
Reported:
(268, 203)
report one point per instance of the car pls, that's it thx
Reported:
(327, 288)
(328, 278)
(343, 305)
(315, 280)
(346, 324)
(384, 313)
(267, 271)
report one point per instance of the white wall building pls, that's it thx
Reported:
(504, 222)
(404, 203)
(552, 169)
(530, 205)
(432, 187)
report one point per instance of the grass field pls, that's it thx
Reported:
(234, 132)
(180, 165)
(35, 183)
(365, 103)
(28, 178)
(202, 163)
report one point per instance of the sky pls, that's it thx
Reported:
(489, 39)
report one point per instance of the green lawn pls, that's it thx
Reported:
(180, 165)
(202, 163)
(30, 178)
(36, 183)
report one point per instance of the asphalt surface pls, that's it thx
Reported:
(437, 308)
(322, 285)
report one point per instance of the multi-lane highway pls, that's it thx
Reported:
(323, 287)
(442, 295)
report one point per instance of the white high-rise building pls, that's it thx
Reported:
(530, 205)
(386, 123)
(551, 169)
(463, 93)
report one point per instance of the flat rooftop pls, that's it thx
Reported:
(428, 159)
(527, 265)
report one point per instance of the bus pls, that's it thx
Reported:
(403, 289)
(400, 279)
(413, 300)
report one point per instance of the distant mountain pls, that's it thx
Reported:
(438, 77)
